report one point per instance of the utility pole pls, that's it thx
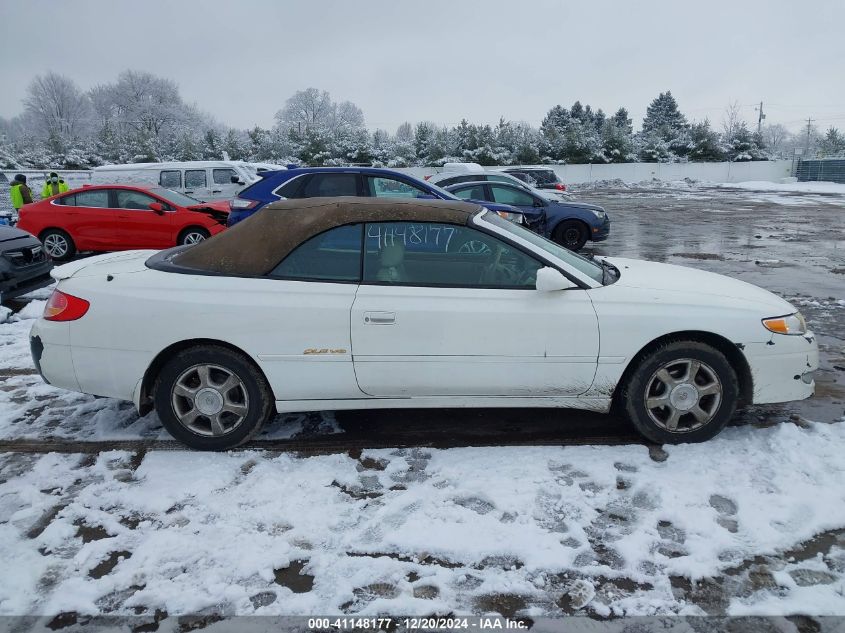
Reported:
(807, 145)
(760, 118)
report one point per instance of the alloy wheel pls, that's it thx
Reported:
(56, 245)
(683, 395)
(209, 400)
(193, 238)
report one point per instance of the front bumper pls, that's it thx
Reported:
(782, 368)
(601, 232)
(16, 281)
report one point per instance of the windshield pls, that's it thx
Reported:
(543, 176)
(590, 268)
(446, 195)
(179, 199)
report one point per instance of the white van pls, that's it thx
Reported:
(204, 180)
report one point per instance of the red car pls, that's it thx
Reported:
(120, 217)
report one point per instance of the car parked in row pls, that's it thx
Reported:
(454, 177)
(24, 265)
(364, 303)
(116, 217)
(204, 180)
(570, 224)
(318, 182)
(540, 177)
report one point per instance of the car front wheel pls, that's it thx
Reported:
(212, 398)
(571, 234)
(193, 235)
(684, 391)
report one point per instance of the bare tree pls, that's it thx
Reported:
(58, 106)
(775, 137)
(731, 121)
(306, 109)
(405, 133)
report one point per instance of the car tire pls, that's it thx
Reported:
(571, 234)
(197, 408)
(192, 235)
(58, 244)
(685, 384)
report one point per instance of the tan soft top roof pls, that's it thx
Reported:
(256, 245)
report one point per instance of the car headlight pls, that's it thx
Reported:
(789, 324)
(600, 214)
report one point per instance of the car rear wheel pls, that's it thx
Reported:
(684, 391)
(193, 235)
(571, 234)
(212, 398)
(58, 244)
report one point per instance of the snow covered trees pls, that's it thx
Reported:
(142, 117)
(833, 143)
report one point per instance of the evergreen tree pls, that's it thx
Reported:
(663, 117)
(704, 143)
(833, 143)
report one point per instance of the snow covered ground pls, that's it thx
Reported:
(540, 530)
(752, 522)
(796, 187)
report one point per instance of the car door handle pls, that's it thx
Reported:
(186, 191)
(380, 318)
(216, 190)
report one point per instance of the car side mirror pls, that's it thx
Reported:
(236, 180)
(157, 207)
(551, 280)
(539, 203)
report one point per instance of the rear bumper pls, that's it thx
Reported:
(49, 343)
(782, 369)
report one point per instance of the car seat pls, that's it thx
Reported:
(392, 264)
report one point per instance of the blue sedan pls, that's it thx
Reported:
(321, 182)
(570, 224)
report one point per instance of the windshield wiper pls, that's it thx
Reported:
(607, 269)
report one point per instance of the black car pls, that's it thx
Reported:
(539, 177)
(24, 266)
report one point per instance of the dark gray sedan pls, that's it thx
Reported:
(24, 266)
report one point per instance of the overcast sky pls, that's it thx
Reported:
(441, 60)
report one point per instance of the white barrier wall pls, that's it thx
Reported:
(771, 170)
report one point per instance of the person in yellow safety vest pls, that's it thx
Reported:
(20, 192)
(53, 186)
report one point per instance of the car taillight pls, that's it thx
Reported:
(560, 186)
(237, 204)
(64, 307)
(427, 177)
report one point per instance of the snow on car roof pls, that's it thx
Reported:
(256, 245)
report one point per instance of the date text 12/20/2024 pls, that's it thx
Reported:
(479, 623)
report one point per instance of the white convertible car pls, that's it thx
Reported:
(357, 303)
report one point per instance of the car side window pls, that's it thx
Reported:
(195, 178)
(170, 179)
(98, 198)
(511, 195)
(223, 176)
(334, 255)
(379, 187)
(435, 254)
(128, 199)
(327, 185)
(472, 193)
(67, 201)
(291, 188)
